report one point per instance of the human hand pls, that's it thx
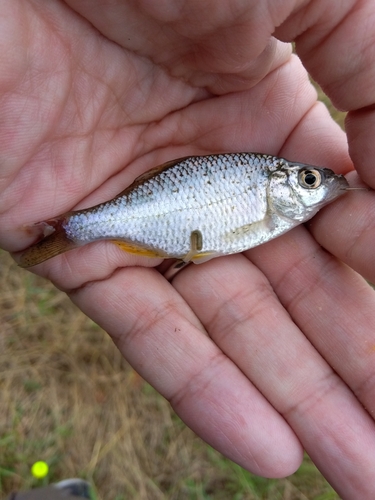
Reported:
(260, 353)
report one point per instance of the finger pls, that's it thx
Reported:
(347, 230)
(250, 326)
(332, 304)
(318, 140)
(230, 49)
(90, 263)
(72, 113)
(348, 80)
(360, 126)
(261, 119)
(160, 336)
(320, 32)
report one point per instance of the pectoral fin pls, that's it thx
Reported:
(267, 224)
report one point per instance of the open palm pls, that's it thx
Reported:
(264, 353)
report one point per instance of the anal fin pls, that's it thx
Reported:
(137, 250)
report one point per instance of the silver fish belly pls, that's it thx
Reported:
(229, 202)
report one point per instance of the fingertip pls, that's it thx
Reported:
(223, 407)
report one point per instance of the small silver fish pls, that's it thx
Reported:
(197, 208)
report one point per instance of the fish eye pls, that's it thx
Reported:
(310, 179)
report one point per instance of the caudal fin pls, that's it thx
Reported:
(50, 246)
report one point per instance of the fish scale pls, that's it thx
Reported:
(227, 202)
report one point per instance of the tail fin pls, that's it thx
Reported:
(54, 244)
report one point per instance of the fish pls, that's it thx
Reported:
(197, 208)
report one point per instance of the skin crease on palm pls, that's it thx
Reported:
(262, 354)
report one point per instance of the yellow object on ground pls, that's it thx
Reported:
(39, 469)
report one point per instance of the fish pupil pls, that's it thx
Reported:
(310, 179)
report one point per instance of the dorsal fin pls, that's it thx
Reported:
(151, 173)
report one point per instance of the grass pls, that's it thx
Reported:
(337, 115)
(68, 398)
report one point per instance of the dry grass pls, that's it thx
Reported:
(68, 397)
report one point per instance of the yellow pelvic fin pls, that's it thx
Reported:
(204, 257)
(137, 250)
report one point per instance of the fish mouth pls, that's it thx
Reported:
(336, 184)
(343, 185)
(331, 176)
